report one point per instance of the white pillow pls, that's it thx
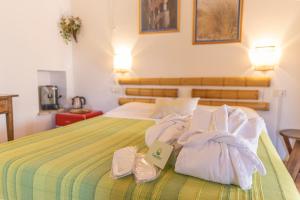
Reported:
(180, 106)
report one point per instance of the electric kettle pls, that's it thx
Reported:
(78, 102)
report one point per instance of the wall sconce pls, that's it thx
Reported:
(122, 62)
(265, 58)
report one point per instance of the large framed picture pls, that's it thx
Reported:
(159, 16)
(217, 21)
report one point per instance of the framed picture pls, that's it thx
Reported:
(159, 16)
(217, 21)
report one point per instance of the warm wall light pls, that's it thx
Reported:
(265, 58)
(122, 62)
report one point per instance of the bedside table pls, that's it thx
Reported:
(64, 119)
(293, 163)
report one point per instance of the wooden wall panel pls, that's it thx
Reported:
(123, 101)
(233, 96)
(262, 106)
(191, 81)
(149, 81)
(169, 81)
(226, 94)
(151, 92)
(201, 81)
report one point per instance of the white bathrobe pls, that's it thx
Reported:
(223, 149)
(167, 130)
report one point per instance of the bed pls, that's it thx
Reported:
(74, 162)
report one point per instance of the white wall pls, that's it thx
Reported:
(109, 25)
(30, 41)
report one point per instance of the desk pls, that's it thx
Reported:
(6, 107)
(293, 163)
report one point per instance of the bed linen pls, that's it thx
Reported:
(134, 110)
(74, 162)
(137, 110)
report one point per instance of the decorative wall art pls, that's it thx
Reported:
(217, 21)
(159, 16)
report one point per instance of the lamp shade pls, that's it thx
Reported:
(122, 62)
(265, 58)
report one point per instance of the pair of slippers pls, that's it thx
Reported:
(127, 161)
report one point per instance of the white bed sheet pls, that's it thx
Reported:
(133, 110)
(137, 110)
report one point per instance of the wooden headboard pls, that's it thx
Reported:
(213, 91)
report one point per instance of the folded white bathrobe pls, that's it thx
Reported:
(167, 130)
(221, 153)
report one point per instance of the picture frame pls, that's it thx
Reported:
(161, 17)
(211, 26)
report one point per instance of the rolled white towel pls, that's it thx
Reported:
(224, 118)
(227, 119)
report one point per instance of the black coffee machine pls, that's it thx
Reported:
(49, 97)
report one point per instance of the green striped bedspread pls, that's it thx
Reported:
(74, 162)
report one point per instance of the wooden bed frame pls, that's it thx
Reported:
(248, 96)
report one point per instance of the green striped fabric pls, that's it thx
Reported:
(74, 162)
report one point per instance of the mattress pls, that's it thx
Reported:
(74, 162)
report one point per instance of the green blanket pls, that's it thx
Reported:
(74, 162)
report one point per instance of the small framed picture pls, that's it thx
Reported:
(217, 21)
(159, 16)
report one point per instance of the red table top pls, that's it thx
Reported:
(66, 118)
(92, 113)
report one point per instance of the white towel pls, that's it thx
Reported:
(167, 130)
(144, 171)
(126, 161)
(123, 162)
(221, 153)
(223, 119)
